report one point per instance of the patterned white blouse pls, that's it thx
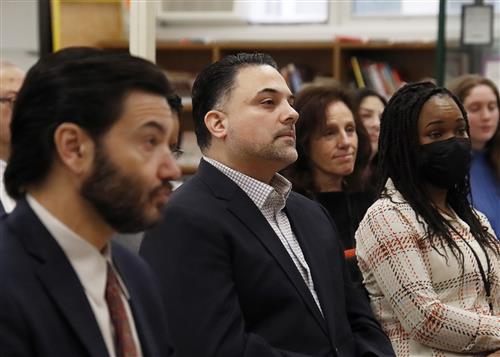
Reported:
(425, 304)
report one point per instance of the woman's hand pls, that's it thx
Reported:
(494, 354)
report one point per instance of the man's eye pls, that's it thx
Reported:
(267, 102)
(176, 152)
(151, 142)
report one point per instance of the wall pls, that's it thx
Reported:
(396, 28)
(19, 32)
(19, 29)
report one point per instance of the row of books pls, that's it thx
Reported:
(379, 76)
(296, 75)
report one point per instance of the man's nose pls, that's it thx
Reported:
(169, 168)
(291, 114)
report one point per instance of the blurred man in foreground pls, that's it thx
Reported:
(90, 157)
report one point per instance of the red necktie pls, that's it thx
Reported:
(124, 341)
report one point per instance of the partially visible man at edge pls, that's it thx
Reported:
(89, 157)
(11, 78)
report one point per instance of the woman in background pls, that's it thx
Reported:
(333, 150)
(370, 106)
(430, 262)
(480, 98)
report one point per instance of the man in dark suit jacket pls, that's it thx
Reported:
(66, 290)
(247, 267)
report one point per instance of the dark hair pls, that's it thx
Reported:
(215, 83)
(79, 85)
(462, 87)
(362, 93)
(175, 103)
(311, 104)
(370, 174)
(398, 153)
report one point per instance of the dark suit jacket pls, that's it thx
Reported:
(43, 308)
(234, 291)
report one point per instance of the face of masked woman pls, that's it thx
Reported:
(445, 151)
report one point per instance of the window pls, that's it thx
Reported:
(411, 7)
(288, 11)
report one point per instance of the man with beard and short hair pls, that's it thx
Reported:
(89, 157)
(247, 267)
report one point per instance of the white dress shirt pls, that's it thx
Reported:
(7, 202)
(91, 267)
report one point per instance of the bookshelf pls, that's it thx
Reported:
(413, 61)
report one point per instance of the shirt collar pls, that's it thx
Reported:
(89, 263)
(258, 191)
(7, 202)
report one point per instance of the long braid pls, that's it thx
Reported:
(398, 154)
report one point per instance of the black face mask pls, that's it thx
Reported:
(445, 163)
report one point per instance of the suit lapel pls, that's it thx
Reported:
(250, 216)
(58, 277)
(316, 262)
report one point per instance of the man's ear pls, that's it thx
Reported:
(216, 123)
(74, 147)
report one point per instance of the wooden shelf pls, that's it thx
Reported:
(415, 60)
(388, 45)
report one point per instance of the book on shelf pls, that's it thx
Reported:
(292, 76)
(357, 72)
(379, 76)
(296, 75)
(376, 79)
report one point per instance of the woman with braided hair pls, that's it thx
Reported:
(430, 262)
